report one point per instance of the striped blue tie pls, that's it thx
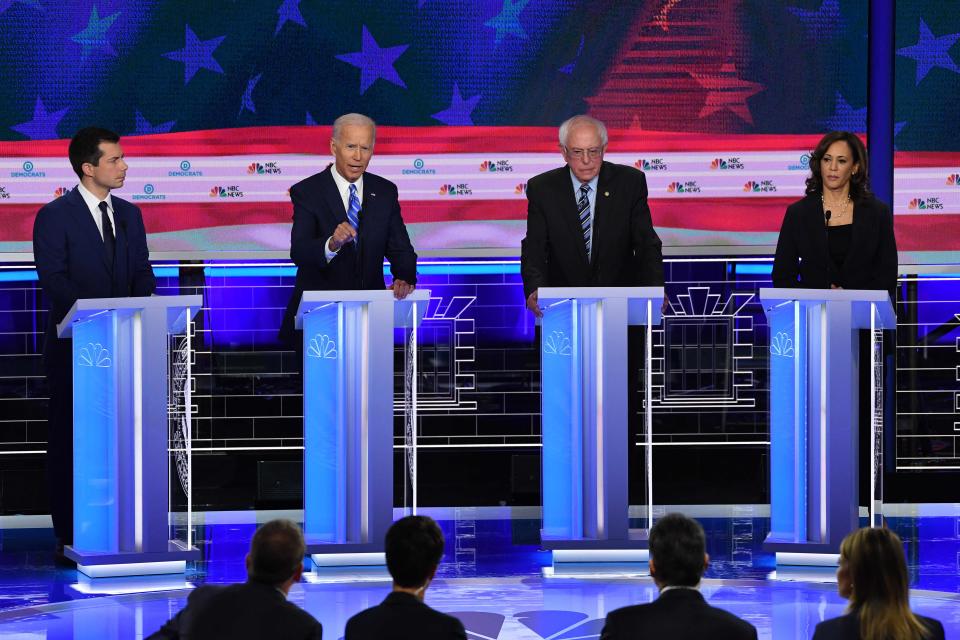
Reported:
(353, 211)
(583, 208)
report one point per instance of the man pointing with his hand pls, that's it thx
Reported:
(345, 222)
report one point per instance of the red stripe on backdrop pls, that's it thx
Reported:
(919, 159)
(914, 232)
(410, 140)
(927, 233)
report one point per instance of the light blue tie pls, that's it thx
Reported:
(353, 211)
(583, 208)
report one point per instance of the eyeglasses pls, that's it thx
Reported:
(584, 154)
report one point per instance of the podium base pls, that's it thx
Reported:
(116, 564)
(375, 559)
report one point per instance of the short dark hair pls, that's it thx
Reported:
(276, 551)
(859, 181)
(85, 147)
(677, 548)
(414, 546)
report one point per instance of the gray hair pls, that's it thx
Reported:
(355, 119)
(582, 119)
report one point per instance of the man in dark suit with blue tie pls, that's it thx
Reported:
(345, 222)
(86, 244)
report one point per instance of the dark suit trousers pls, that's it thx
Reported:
(58, 362)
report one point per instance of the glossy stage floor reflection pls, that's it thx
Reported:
(490, 578)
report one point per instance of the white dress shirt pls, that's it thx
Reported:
(93, 204)
(343, 186)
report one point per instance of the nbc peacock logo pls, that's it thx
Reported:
(925, 204)
(495, 166)
(462, 189)
(61, 191)
(751, 186)
(520, 189)
(723, 164)
(263, 168)
(653, 164)
(953, 180)
(690, 186)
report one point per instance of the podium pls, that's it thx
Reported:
(814, 403)
(585, 435)
(121, 410)
(348, 368)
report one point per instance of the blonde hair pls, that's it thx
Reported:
(880, 597)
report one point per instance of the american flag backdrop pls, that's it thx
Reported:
(224, 104)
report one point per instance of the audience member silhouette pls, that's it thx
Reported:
(414, 546)
(678, 559)
(873, 576)
(257, 609)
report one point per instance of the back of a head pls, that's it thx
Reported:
(276, 551)
(880, 596)
(677, 548)
(414, 547)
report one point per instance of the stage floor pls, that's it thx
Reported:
(490, 578)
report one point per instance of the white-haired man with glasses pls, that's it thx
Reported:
(588, 223)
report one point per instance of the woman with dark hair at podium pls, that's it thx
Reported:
(873, 576)
(838, 236)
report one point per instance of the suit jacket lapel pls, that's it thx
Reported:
(368, 207)
(861, 220)
(332, 197)
(600, 212)
(818, 229)
(88, 227)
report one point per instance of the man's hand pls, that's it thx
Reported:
(532, 304)
(343, 234)
(401, 289)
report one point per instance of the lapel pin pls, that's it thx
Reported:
(606, 193)
(372, 193)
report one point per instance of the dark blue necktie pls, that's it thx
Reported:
(583, 208)
(353, 210)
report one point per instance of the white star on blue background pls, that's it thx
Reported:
(94, 36)
(845, 117)
(289, 11)
(142, 126)
(822, 24)
(196, 54)
(507, 22)
(931, 51)
(375, 61)
(44, 124)
(458, 113)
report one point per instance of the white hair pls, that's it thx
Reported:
(355, 119)
(582, 119)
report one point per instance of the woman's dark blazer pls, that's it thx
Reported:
(802, 250)
(848, 628)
